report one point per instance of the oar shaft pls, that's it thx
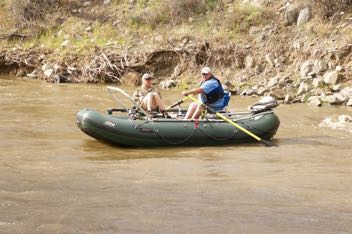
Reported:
(178, 102)
(237, 125)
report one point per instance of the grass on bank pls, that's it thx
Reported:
(81, 38)
(121, 24)
(135, 26)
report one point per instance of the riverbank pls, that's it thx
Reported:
(287, 50)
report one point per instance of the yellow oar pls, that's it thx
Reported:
(267, 143)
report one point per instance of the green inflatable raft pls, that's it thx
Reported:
(135, 128)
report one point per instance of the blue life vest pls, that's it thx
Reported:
(215, 94)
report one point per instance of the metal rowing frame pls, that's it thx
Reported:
(115, 89)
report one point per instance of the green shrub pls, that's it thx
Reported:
(245, 15)
(212, 4)
(171, 11)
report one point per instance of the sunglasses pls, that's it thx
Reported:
(148, 79)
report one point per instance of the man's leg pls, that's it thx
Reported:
(148, 103)
(158, 102)
(198, 112)
(191, 109)
(151, 102)
(144, 103)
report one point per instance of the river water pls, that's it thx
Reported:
(55, 179)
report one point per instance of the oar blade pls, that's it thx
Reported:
(268, 143)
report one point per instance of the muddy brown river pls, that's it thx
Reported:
(55, 179)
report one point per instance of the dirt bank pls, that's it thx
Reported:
(295, 51)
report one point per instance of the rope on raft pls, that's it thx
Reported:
(174, 143)
(189, 137)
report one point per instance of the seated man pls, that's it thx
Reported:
(212, 94)
(148, 97)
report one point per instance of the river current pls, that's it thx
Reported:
(56, 179)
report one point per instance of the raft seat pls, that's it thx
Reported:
(227, 97)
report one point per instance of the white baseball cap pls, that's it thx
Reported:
(205, 70)
(146, 76)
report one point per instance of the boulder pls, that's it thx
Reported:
(48, 72)
(330, 99)
(318, 91)
(33, 74)
(166, 84)
(320, 66)
(269, 58)
(347, 92)
(306, 68)
(349, 102)
(314, 101)
(289, 98)
(331, 77)
(303, 88)
(318, 82)
(337, 88)
(339, 68)
(250, 92)
(243, 92)
(273, 82)
(47, 66)
(291, 15)
(340, 53)
(304, 97)
(282, 82)
(304, 16)
(261, 91)
(278, 94)
(87, 3)
(339, 98)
